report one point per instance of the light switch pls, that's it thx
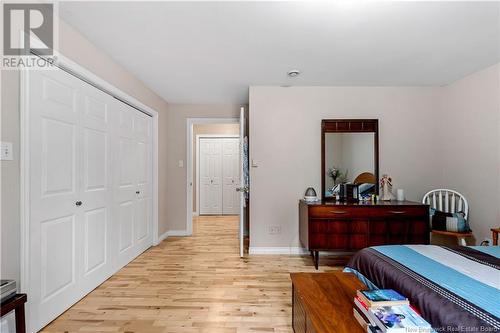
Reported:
(6, 151)
(181, 164)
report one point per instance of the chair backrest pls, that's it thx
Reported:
(365, 177)
(447, 201)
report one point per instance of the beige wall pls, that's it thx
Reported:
(210, 129)
(470, 141)
(74, 46)
(290, 162)
(176, 145)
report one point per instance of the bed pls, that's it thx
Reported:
(456, 289)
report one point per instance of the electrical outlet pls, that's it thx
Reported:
(274, 229)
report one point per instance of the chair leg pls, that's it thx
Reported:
(461, 241)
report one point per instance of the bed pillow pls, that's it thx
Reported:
(454, 222)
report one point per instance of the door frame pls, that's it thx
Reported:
(197, 171)
(190, 122)
(85, 75)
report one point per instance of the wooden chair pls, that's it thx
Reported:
(449, 201)
(365, 177)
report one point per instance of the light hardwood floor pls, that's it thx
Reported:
(192, 284)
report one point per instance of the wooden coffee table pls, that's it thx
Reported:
(323, 302)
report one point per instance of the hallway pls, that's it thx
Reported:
(192, 284)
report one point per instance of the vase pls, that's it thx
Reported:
(386, 192)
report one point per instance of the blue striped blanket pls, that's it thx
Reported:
(456, 289)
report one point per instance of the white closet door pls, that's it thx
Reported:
(133, 183)
(124, 182)
(54, 189)
(210, 165)
(96, 185)
(70, 192)
(230, 170)
(90, 162)
(143, 170)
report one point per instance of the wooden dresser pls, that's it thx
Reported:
(341, 226)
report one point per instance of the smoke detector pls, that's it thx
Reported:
(293, 73)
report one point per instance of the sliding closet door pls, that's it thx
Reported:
(125, 182)
(132, 186)
(231, 174)
(70, 191)
(96, 118)
(144, 202)
(210, 167)
(90, 162)
(54, 226)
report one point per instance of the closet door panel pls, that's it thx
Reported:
(230, 171)
(210, 157)
(204, 177)
(143, 172)
(215, 172)
(54, 223)
(96, 185)
(125, 181)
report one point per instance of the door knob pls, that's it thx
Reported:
(242, 189)
(137, 192)
(78, 203)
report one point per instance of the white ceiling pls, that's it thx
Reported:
(211, 52)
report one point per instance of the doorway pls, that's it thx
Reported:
(214, 171)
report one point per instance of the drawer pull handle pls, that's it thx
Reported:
(398, 211)
(338, 212)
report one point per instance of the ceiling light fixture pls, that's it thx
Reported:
(293, 73)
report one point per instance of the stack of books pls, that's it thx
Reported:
(386, 311)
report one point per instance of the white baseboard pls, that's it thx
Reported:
(172, 233)
(278, 250)
(162, 237)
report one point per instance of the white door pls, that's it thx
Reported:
(210, 166)
(69, 215)
(144, 187)
(90, 162)
(132, 183)
(231, 179)
(95, 180)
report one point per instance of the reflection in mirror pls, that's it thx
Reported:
(350, 158)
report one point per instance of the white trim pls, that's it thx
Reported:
(162, 237)
(293, 250)
(197, 171)
(189, 162)
(25, 150)
(178, 233)
(173, 233)
(24, 163)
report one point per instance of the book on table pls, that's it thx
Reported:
(362, 308)
(382, 297)
(387, 311)
(365, 323)
(398, 319)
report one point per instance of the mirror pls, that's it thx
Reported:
(349, 156)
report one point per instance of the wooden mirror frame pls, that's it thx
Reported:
(348, 126)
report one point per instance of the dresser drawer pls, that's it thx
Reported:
(347, 212)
